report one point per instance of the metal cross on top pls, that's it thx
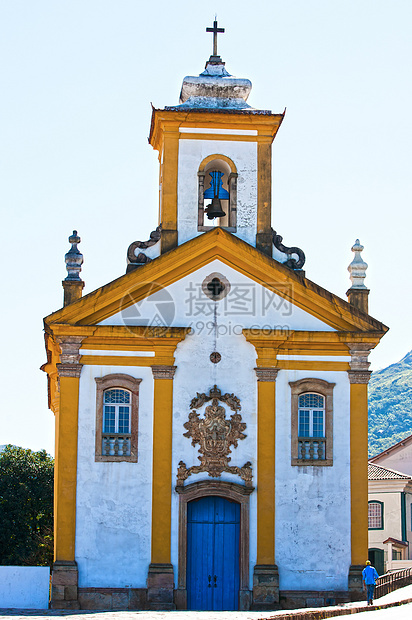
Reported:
(215, 30)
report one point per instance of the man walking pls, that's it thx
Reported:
(369, 576)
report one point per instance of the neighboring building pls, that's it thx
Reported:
(211, 404)
(390, 508)
(398, 456)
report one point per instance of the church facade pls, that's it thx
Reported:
(211, 403)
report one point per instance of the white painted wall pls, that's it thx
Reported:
(195, 373)
(312, 503)
(247, 305)
(400, 460)
(24, 587)
(392, 524)
(313, 549)
(113, 528)
(244, 156)
(409, 521)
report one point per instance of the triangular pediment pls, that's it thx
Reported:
(218, 244)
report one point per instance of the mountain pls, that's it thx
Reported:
(390, 405)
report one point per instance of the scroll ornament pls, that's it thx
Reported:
(215, 435)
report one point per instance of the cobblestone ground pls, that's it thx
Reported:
(402, 612)
(137, 615)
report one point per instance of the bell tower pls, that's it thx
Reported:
(215, 156)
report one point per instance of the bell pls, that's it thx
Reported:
(214, 209)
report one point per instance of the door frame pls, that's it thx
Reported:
(227, 490)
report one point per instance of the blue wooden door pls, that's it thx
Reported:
(213, 530)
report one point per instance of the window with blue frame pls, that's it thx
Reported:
(311, 422)
(311, 415)
(117, 406)
(116, 411)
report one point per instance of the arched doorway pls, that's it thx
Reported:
(236, 500)
(213, 536)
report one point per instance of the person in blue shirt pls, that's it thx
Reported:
(369, 576)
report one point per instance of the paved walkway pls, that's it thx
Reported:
(400, 612)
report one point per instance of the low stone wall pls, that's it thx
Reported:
(298, 599)
(112, 598)
(24, 587)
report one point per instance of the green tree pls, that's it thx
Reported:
(26, 507)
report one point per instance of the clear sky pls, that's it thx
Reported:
(77, 78)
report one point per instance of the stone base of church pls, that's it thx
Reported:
(64, 593)
(160, 587)
(113, 598)
(298, 599)
(265, 587)
(136, 599)
(355, 583)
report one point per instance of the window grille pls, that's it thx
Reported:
(375, 515)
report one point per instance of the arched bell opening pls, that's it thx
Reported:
(232, 492)
(217, 193)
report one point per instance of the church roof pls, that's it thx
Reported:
(237, 254)
(376, 472)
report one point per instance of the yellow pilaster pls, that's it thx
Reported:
(65, 473)
(265, 574)
(264, 189)
(359, 465)
(162, 463)
(266, 465)
(169, 187)
(66, 469)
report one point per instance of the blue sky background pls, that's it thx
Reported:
(77, 79)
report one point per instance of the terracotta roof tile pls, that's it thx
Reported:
(376, 472)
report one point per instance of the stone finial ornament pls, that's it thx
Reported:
(357, 268)
(73, 284)
(74, 259)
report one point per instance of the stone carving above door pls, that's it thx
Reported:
(215, 435)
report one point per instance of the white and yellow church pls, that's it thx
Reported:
(211, 403)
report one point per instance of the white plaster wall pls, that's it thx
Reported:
(247, 305)
(312, 503)
(234, 374)
(409, 521)
(401, 460)
(24, 587)
(313, 547)
(392, 522)
(244, 156)
(113, 511)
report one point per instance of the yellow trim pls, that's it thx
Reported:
(264, 184)
(218, 136)
(168, 209)
(329, 340)
(311, 365)
(289, 350)
(122, 334)
(266, 473)
(65, 477)
(218, 244)
(161, 119)
(224, 158)
(117, 360)
(162, 470)
(118, 347)
(359, 471)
